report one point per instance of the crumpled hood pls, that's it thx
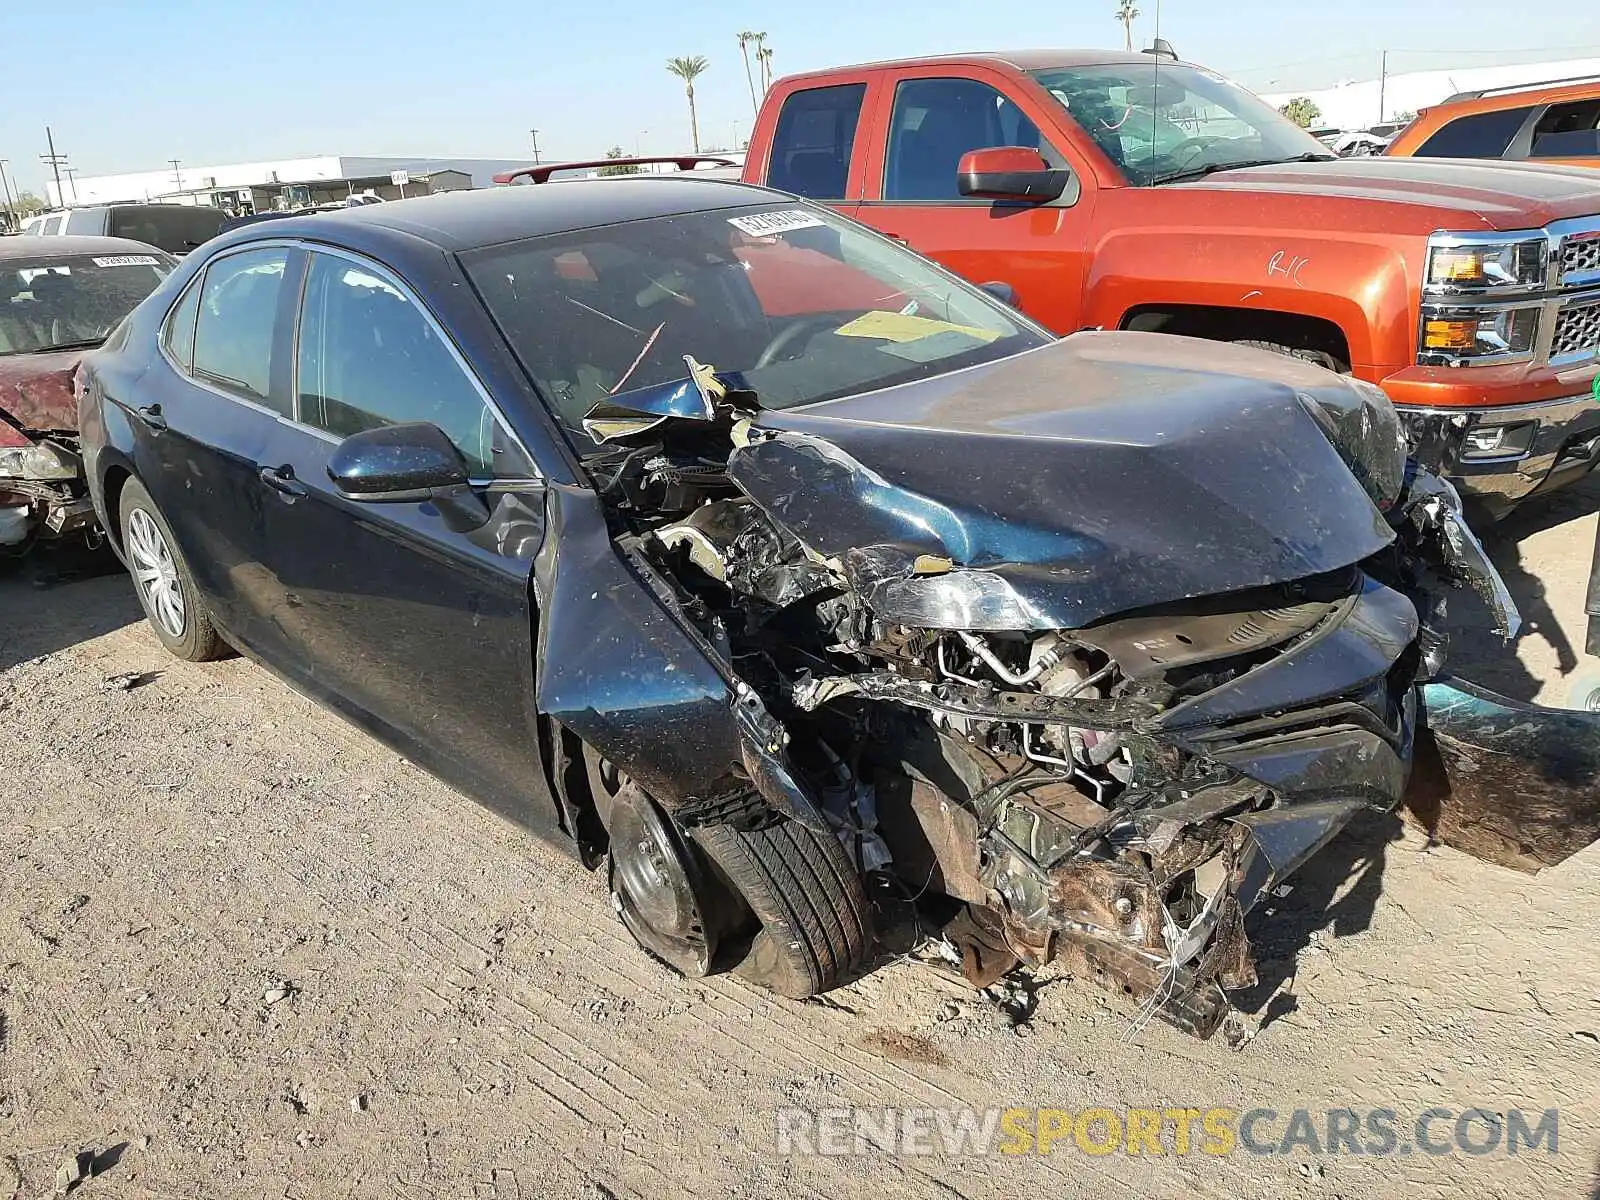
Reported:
(1103, 473)
(36, 391)
(1446, 193)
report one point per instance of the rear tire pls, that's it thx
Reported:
(815, 918)
(161, 578)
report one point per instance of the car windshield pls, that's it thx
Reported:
(1161, 121)
(798, 304)
(51, 302)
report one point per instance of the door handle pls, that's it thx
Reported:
(282, 480)
(151, 416)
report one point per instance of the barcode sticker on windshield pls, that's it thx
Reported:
(127, 260)
(770, 223)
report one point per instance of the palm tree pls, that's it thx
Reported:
(1127, 13)
(688, 70)
(764, 57)
(745, 39)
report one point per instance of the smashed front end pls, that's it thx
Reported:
(1093, 677)
(43, 494)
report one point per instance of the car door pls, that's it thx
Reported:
(203, 416)
(935, 116)
(420, 634)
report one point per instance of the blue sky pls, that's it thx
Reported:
(127, 84)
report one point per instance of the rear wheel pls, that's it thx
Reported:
(166, 589)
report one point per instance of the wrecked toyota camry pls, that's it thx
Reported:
(778, 571)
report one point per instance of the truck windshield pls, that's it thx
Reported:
(1162, 121)
(800, 304)
(55, 302)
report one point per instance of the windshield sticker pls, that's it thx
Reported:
(903, 327)
(127, 260)
(772, 223)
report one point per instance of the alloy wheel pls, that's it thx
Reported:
(155, 573)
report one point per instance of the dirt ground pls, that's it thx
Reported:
(246, 951)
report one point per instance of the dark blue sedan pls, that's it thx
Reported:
(748, 553)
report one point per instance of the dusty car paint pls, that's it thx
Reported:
(1109, 668)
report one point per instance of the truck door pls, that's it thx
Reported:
(934, 116)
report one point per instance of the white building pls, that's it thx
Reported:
(1355, 105)
(327, 177)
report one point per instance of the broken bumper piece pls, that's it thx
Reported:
(1511, 783)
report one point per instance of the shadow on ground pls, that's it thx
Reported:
(52, 600)
(1333, 895)
(1477, 653)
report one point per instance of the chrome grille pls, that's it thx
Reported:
(1577, 331)
(1580, 255)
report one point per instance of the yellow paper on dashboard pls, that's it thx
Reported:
(903, 327)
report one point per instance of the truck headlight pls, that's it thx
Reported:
(1450, 336)
(1498, 265)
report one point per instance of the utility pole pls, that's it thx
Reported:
(54, 161)
(72, 182)
(1383, 84)
(177, 175)
(535, 134)
(11, 208)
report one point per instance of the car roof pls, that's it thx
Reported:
(467, 220)
(1021, 60)
(33, 246)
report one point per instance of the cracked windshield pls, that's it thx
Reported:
(791, 303)
(1161, 123)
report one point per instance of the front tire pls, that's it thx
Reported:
(815, 919)
(166, 589)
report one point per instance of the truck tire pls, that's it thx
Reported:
(186, 629)
(1319, 357)
(815, 918)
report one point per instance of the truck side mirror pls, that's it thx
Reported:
(1010, 173)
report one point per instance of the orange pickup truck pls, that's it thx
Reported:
(1132, 191)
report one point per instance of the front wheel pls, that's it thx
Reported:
(166, 589)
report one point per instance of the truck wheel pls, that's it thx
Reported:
(1583, 688)
(166, 589)
(1320, 357)
(815, 920)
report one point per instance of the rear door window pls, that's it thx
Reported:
(51, 225)
(1481, 135)
(233, 335)
(815, 136)
(1568, 131)
(935, 122)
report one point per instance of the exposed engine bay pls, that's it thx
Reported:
(1058, 774)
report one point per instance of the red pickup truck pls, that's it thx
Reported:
(1132, 191)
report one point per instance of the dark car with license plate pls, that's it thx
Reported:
(795, 580)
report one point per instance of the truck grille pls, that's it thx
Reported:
(1580, 255)
(1577, 331)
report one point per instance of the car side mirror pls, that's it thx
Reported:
(411, 463)
(1010, 173)
(1001, 291)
